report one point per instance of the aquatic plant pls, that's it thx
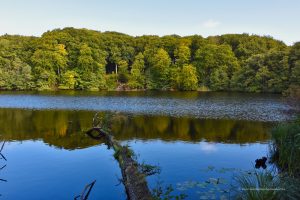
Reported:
(219, 185)
(258, 185)
(161, 192)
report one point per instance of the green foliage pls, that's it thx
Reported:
(123, 150)
(137, 78)
(123, 73)
(149, 170)
(260, 73)
(291, 187)
(286, 148)
(160, 193)
(258, 185)
(49, 61)
(188, 78)
(285, 153)
(294, 61)
(45, 80)
(215, 66)
(182, 55)
(90, 70)
(219, 79)
(244, 46)
(160, 70)
(293, 96)
(217, 186)
(83, 59)
(111, 81)
(68, 80)
(14, 73)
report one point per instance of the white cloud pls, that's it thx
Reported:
(208, 147)
(211, 23)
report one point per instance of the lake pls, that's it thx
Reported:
(193, 137)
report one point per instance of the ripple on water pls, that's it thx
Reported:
(256, 108)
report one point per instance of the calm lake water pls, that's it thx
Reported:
(193, 137)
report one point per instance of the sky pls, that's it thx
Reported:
(277, 18)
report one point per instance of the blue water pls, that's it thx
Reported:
(37, 171)
(216, 106)
(192, 138)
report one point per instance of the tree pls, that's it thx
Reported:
(294, 62)
(123, 73)
(49, 61)
(91, 72)
(85, 61)
(137, 76)
(60, 58)
(69, 80)
(262, 77)
(215, 63)
(188, 78)
(15, 75)
(261, 73)
(115, 57)
(160, 69)
(43, 68)
(219, 79)
(180, 69)
(244, 45)
(174, 77)
(182, 55)
(277, 65)
(72, 58)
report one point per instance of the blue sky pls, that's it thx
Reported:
(278, 18)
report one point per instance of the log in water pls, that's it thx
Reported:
(133, 180)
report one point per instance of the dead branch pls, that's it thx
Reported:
(86, 191)
(133, 179)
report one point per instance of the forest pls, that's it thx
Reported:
(81, 59)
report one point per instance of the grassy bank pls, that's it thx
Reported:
(284, 182)
(285, 150)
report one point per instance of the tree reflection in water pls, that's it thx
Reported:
(65, 129)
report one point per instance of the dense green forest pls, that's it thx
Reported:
(90, 60)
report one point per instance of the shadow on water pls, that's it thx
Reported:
(64, 129)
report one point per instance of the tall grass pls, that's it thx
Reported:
(285, 150)
(265, 184)
(291, 187)
(285, 182)
(258, 185)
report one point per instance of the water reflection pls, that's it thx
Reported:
(65, 129)
(255, 107)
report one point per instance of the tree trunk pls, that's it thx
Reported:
(134, 181)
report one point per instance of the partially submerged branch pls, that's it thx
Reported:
(86, 192)
(134, 179)
(2, 156)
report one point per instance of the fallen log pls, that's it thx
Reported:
(133, 179)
